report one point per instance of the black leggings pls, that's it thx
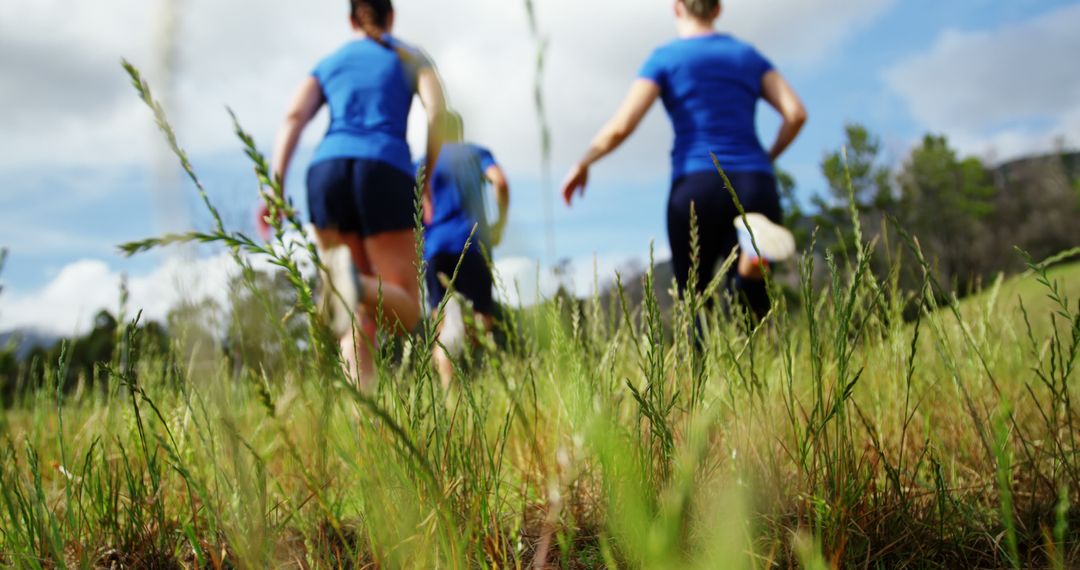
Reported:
(716, 213)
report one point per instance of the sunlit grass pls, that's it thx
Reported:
(834, 433)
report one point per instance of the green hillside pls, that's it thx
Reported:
(1006, 298)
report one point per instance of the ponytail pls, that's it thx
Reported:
(372, 17)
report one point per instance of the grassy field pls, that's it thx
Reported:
(836, 433)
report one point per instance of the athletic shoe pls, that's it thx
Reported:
(339, 289)
(453, 334)
(774, 242)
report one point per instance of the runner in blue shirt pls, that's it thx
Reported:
(360, 182)
(710, 84)
(458, 183)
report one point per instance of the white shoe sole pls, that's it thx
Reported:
(453, 334)
(774, 242)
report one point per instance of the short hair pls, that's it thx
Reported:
(702, 9)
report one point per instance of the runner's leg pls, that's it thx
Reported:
(475, 284)
(440, 266)
(758, 193)
(704, 192)
(392, 256)
(355, 347)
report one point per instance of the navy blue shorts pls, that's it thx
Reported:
(716, 213)
(474, 280)
(357, 196)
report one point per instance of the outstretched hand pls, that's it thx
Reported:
(575, 182)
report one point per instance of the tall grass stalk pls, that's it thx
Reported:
(3, 260)
(857, 425)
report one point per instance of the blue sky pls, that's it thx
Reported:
(80, 170)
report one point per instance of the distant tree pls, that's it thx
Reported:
(794, 214)
(196, 331)
(968, 217)
(870, 178)
(870, 185)
(88, 359)
(946, 202)
(8, 361)
(9, 369)
(265, 329)
(83, 355)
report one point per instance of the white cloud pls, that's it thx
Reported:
(63, 83)
(69, 303)
(801, 32)
(522, 281)
(978, 86)
(250, 54)
(75, 107)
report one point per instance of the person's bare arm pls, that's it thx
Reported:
(643, 93)
(430, 89)
(305, 104)
(783, 98)
(501, 186)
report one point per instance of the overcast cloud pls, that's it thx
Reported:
(74, 105)
(977, 86)
(82, 289)
(67, 102)
(60, 60)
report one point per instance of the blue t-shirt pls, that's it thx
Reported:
(710, 86)
(457, 188)
(369, 89)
